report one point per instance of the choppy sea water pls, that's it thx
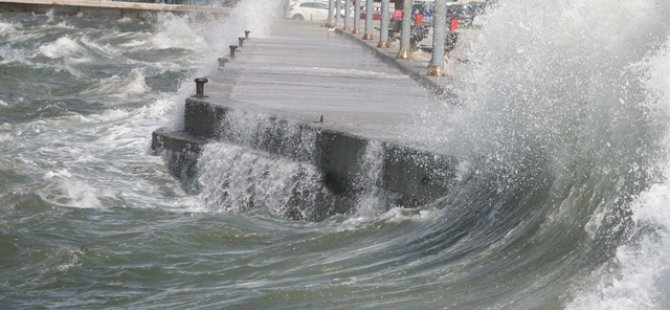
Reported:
(561, 202)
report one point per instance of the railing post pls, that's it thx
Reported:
(347, 15)
(357, 17)
(331, 9)
(436, 67)
(405, 47)
(368, 21)
(384, 29)
(338, 8)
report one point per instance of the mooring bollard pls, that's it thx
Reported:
(232, 51)
(246, 34)
(222, 61)
(240, 41)
(200, 87)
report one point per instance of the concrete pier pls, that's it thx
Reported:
(305, 81)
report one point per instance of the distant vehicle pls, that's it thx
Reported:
(466, 13)
(376, 15)
(419, 28)
(460, 18)
(310, 10)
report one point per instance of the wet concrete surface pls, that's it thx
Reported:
(291, 80)
(304, 71)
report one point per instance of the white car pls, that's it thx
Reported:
(310, 10)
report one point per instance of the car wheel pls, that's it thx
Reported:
(298, 17)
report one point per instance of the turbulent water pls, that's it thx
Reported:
(562, 199)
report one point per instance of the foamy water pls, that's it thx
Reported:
(560, 200)
(571, 82)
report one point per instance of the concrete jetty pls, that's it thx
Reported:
(305, 82)
(106, 8)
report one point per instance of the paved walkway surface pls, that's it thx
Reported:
(303, 71)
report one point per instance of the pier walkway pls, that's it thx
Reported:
(305, 71)
(318, 96)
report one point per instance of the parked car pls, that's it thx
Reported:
(308, 10)
(311, 10)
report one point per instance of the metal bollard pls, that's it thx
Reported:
(232, 51)
(200, 87)
(240, 41)
(246, 34)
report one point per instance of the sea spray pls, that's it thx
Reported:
(235, 179)
(215, 37)
(263, 153)
(639, 274)
(262, 131)
(263, 163)
(372, 201)
(555, 103)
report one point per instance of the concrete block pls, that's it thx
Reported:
(201, 119)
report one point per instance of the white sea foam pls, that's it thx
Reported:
(106, 51)
(558, 83)
(396, 215)
(7, 29)
(640, 277)
(124, 20)
(62, 47)
(123, 87)
(371, 202)
(50, 16)
(176, 32)
(235, 179)
(72, 192)
(9, 55)
(62, 173)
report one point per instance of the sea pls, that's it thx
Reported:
(560, 117)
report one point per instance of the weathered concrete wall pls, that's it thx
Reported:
(410, 177)
(355, 162)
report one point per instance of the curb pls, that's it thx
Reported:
(423, 79)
